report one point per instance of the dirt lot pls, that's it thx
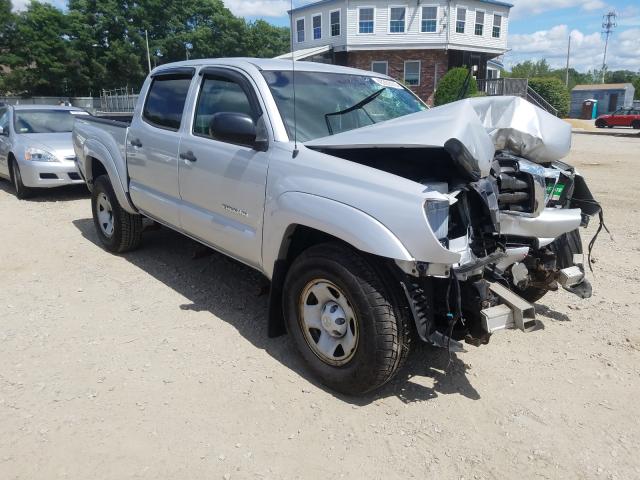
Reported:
(157, 365)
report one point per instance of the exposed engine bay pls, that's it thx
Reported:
(512, 211)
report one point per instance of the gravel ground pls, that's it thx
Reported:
(157, 364)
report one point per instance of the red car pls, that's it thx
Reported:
(624, 117)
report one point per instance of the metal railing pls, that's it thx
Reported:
(119, 100)
(535, 98)
(518, 87)
(504, 86)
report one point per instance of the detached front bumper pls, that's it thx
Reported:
(49, 174)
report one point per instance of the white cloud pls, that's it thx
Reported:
(524, 8)
(587, 49)
(258, 8)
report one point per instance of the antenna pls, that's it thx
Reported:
(609, 23)
(293, 84)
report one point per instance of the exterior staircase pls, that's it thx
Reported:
(518, 87)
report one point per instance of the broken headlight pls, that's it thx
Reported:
(437, 212)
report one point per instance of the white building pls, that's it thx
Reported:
(415, 41)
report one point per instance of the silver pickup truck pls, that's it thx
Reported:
(376, 219)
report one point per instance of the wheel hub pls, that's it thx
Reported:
(328, 322)
(333, 319)
(105, 214)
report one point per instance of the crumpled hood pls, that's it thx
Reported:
(429, 129)
(519, 126)
(59, 144)
(483, 125)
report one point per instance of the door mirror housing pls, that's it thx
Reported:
(3, 132)
(239, 129)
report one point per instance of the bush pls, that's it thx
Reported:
(553, 91)
(451, 84)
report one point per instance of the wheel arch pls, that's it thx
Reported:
(101, 163)
(299, 221)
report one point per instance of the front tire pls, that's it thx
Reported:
(118, 230)
(22, 192)
(636, 124)
(601, 124)
(347, 325)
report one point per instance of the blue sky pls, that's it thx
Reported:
(538, 29)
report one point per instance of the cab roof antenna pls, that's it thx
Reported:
(293, 84)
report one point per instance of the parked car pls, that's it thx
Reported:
(624, 117)
(36, 150)
(375, 218)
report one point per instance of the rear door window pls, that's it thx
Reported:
(165, 102)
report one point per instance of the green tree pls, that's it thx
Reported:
(38, 52)
(451, 86)
(530, 69)
(265, 40)
(553, 91)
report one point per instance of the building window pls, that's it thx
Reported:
(396, 19)
(380, 67)
(429, 19)
(300, 30)
(461, 20)
(335, 23)
(497, 26)
(412, 72)
(479, 30)
(365, 20)
(317, 27)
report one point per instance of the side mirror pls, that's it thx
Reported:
(3, 133)
(238, 128)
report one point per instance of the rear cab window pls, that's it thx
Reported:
(164, 106)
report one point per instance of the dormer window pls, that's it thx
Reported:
(300, 30)
(479, 30)
(317, 27)
(497, 26)
(397, 19)
(461, 20)
(365, 20)
(335, 23)
(429, 19)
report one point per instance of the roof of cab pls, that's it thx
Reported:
(268, 64)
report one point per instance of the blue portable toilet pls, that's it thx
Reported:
(589, 109)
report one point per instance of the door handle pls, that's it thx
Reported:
(189, 156)
(136, 143)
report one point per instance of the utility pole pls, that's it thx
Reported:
(146, 36)
(609, 23)
(568, 58)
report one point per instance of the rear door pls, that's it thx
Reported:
(222, 184)
(152, 146)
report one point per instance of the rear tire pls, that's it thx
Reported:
(22, 192)
(348, 326)
(636, 124)
(118, 230)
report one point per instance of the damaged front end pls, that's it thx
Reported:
(496, 194)
(517, 231)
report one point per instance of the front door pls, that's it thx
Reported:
(4, 142)
(222, 184)
(152, 148)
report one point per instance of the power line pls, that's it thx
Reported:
(609, 23)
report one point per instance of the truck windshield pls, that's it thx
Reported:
(44, 121)
(330, 103)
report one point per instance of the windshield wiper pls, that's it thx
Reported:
(353, 108)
